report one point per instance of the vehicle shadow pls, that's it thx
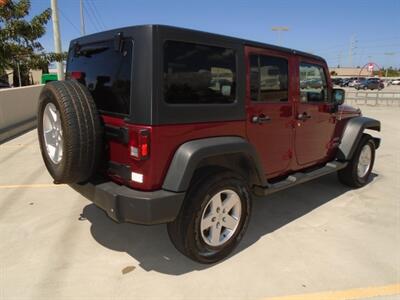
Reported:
(150, 245)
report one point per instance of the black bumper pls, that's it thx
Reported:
(123, 204)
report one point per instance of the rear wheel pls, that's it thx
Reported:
(357, 172)
(213, 218)
(69, 131)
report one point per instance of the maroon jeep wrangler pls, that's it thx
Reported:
(157, 124)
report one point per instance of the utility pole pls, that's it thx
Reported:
(83, 31)
(279, 30)
(19, 74)
(351, 49)
(56, 36)
(387, 67)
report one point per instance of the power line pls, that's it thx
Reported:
(380, 46)
(91, 19)
(90, 8)
(68, 20)
(363, 54)
(394, 38)
(363, 43)
(96, 14)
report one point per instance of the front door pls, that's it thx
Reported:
(269, 107)
(315, 122)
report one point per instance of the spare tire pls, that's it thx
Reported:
(70, 131)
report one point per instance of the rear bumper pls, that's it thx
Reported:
(123, 204)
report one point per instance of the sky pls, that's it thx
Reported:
(325, 28)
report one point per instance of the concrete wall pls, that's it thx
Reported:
(18, 108)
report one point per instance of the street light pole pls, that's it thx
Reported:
(279, 30)
(57, 39)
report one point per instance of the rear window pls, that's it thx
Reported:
(106, 72)
(199, 74)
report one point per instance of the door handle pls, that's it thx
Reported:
(260, 119)
(304, 116)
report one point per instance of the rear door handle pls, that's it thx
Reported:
(304, 116)
(260, 119)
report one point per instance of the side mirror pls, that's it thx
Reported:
(338, 96)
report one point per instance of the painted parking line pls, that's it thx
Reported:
(24, 186)
(360, 293)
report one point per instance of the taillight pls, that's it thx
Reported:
(140, 144)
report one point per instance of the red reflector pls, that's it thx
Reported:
(144, 150)
(77, 75)
(144, 139)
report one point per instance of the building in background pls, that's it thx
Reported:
(349, 72)
(34, 77)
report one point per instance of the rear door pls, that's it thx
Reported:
(106, 71)
(269, 107)
(315, 122)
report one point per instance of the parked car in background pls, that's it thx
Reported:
(345, 82)
(4, 84)
(370, 83)
(337, 81)
(395, 81)
(355, 81)
(351, 81)
(310, 83)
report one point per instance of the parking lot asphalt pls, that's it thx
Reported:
(320, 237)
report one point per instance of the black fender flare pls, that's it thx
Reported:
(190, 154)
(352, 134)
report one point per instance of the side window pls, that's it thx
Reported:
(313, 87)
(198, 74)
(268, 78)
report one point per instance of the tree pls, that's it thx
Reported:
(19, 45)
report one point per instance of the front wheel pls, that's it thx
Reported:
(357, 172)
(213, 218)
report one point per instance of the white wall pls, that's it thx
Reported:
(18, 107)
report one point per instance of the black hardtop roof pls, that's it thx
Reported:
(213, 35)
